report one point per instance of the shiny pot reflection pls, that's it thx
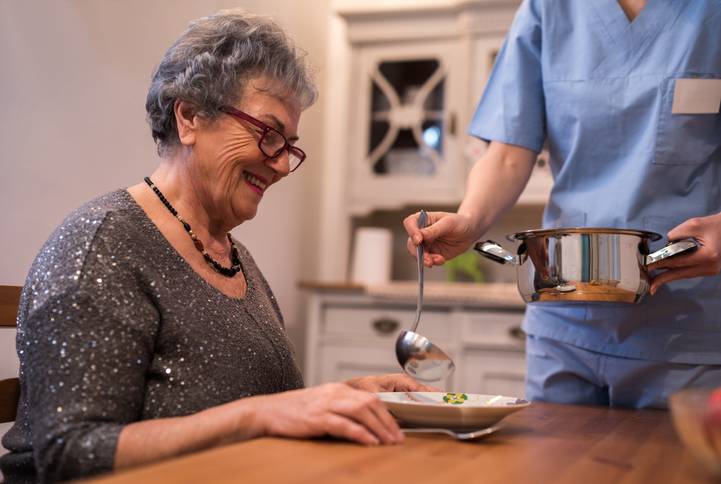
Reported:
(582, 264)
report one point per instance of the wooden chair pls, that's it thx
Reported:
(10, 387)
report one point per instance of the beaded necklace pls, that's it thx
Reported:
(226, 271)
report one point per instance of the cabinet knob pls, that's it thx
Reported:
(385, 325)
(517, 333)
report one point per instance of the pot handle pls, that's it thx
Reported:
(671, 249)
(492, 250)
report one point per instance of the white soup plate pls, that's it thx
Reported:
(455, 411)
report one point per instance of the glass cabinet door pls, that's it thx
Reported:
(403, 126)
(406, 123)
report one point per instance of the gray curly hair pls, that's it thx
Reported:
(212, 62)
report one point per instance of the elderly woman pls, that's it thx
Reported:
(145, 330)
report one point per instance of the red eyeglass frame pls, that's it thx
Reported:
(297, 152)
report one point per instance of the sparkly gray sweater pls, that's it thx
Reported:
(115, 327)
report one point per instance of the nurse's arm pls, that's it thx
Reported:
(494, 184)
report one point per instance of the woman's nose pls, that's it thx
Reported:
(280, 164)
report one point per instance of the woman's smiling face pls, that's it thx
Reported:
(232, 172)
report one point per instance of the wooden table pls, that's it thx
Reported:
(543, 443)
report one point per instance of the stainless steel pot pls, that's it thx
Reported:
(582, 264)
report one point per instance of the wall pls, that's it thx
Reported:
(74, 76)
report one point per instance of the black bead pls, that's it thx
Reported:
(229, 272)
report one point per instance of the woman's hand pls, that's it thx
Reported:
(334, 409)
(446, 236)
(706, 261)
(397, 382)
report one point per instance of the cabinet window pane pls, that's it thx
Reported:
(405, 76)
(406, 123)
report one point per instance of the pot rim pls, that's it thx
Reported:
(653, 236)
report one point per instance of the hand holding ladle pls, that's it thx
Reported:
(420, 358)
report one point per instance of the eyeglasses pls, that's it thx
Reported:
(271, 143)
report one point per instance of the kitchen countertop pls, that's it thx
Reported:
(503, 295)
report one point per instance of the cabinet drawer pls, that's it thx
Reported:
(493, 372)
(385, 323)
(492, 328)
(346, 360)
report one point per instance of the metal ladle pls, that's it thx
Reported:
(420, 358)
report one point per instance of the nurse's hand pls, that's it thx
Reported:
(446, 236)
(706, 261)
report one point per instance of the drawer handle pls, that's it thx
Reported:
(385, 325)
(517, 333)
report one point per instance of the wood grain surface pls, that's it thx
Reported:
(543, 443)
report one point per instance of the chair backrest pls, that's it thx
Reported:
(9, 399)
(10, 387)
(9, 301)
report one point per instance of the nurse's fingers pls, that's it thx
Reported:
(705, 230)
(705, 260)
(701, 263)
(415, 236)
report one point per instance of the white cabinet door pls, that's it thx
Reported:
(493, 359)
(404, 125)
(493, 372)
(383, 323)
(341, 361)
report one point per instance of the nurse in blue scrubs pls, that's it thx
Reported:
(627, 95)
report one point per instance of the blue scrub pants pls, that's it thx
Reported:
(559, 372)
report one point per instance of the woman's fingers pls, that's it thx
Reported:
(332, 409)
(367, 411)
(343, 427)
(374, 416)
(391, 382)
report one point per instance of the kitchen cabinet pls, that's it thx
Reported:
(404, 79)
(352, 330)
(416, 75)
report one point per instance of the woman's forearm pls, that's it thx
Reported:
(331, 409)
(154, 440)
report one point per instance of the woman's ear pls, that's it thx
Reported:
(187, 122)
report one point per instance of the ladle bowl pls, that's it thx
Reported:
(421, 359)
(418, 357)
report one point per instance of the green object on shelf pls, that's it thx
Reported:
(464, 267)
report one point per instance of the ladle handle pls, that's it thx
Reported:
(422, 219)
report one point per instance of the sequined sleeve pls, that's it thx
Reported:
(88, 339)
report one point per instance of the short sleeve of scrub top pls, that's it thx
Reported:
(512, 109)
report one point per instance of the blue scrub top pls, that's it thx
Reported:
(599, 90)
